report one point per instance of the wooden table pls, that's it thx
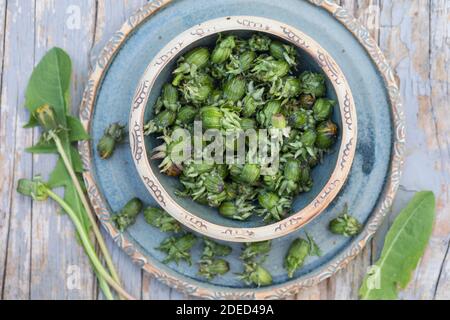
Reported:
(39, 256)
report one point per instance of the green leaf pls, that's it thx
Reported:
(76, 130)
(404, 246)
(43, 147)
(61, 178)
(50, 83)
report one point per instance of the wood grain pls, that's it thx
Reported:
(38, 252)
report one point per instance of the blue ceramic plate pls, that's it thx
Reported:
(373, 179)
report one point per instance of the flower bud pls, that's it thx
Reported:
(116, 131)
(46, 117)
(33, 188)
(313, 84)
(268, 200)
(323, 108)
(345, 225)
(261, 277)
(198, 57)
(170, 97)
(198, 89)
(186, 115)
(279, 121)
(248, 123)
(302, 119)
(246, 60)
(292, 170)
(223, 49)
(250, 173)
(308, 138)
(264, 117)
(127, 216)
(160, 122)
(214, 183)
(306, 101)
(158, 218)
(291, 88)
(211, 269)
(106, 146)
(296, 256)
(259, 42)
(326, 135)
(211, 118)
(234, 89)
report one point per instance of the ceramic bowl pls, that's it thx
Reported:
(329, 177)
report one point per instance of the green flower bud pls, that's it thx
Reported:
(268, 69)
(305, 180)
(116, 131)
(246, 60)
(279, 121)
(248, 123)
(178, 249)
(292, 170)
(198, 89)
(323, 108)
(170, 97)
(261, 277)
(234, 89)
(326, 135)
(264, 117)
(231, 191)
(214, 183)
(211, 118)
(223, 49)
(302, 119)
(345, 225)
(222, 170)
(236, 210)
(33, 188)
(291, 88)
(160, 122)
(213, 249)
(127, 216)
(272, 182)
(254, 249)
(259, 42)
(250, 173)
(192, 61)
(313, 84)
(285, 52)
(268, 200)
(106, 147)
(308, 138)
(307, 101)
(186, 115)
(212, 268)
(193, 169)
(296, 256)
(46, 117)
(158, 218)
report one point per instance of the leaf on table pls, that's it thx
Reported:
(76, 130)
(61, 178)
(43, 146)
(50, 83)
(405, 244)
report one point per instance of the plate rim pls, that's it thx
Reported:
(204, 290)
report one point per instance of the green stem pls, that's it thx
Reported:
(104, 287)
(89, 249)
(96, 230)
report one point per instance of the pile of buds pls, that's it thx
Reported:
(243, 84)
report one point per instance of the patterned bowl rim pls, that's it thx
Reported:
(348, 130)
(196, 288)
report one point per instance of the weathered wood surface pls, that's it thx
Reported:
(50, 264)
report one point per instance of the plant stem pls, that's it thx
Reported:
(104, 287)
(88, 246)
(96, 230)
